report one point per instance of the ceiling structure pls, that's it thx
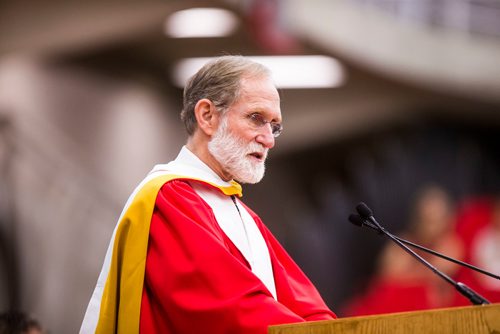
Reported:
(435, 44)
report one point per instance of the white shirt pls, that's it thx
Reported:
(231, 216)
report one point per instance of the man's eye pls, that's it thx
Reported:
(257, 119)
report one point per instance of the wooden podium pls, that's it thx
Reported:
(460, 320)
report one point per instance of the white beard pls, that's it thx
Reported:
(232, 154)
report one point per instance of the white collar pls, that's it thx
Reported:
(189, 165)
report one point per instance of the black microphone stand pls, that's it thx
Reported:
(473, 296)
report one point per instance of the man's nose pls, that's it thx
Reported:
(266, 137)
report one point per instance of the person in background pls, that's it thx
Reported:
(15, 322)
(479, 227)
(187, 255)
(486, 253)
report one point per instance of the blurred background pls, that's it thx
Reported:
(405, 117)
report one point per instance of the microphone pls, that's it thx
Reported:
(366, 214)
(359, 221)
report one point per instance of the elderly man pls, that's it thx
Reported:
(187, 256)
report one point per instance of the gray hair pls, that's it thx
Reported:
(218, 81)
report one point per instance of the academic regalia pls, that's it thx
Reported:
(172, 268)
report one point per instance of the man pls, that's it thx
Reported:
(187, 255)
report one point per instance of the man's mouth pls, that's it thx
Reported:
(258, 156)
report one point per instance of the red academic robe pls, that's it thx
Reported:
(197, 281)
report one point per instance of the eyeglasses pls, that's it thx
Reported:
(258, 121)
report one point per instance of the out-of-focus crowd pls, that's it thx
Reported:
(468, 231)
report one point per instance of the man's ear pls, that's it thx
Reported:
(206, 116)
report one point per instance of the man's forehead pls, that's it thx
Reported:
(259, 88)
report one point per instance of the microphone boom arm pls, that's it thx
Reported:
(433, 252)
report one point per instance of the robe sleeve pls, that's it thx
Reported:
(194, 281)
